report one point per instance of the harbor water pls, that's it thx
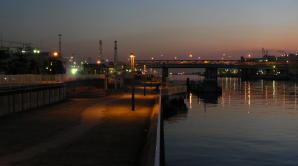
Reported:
(253, 123)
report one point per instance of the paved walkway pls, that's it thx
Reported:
(93, 131)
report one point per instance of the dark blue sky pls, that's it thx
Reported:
(206, 28)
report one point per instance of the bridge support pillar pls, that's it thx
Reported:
(165, 74)
(211, 74)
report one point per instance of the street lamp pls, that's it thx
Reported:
(36, 51)
(132, 61)
(132, 65)
(55, 54)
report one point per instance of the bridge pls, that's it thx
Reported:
(247, 69)
(235, 64)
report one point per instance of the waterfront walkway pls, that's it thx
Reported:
(81, 131)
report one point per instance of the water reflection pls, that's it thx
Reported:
(252, 123)
(280, 93)
(176, 106)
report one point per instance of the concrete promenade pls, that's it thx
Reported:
(87, 130)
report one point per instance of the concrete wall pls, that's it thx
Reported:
(149, 151)
(23, 98)
(26, 98)
(153, 152)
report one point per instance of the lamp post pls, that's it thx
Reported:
(60, 44)
(132, 65)
(55, 54)
(132, 62)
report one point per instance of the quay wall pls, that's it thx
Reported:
(154, 153)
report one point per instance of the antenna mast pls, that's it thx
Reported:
(115, 52)
(100, 50)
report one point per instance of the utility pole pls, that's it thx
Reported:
(60, 44)
(100, 50)
(115, 53)
(1, 43)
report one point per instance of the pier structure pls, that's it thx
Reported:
(97, 130)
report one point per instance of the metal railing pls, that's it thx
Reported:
(31, 79)
(206, 62)
(159, 159)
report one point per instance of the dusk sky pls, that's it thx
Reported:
(206, 28)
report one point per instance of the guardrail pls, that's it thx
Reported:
(30, 79)
(159, 158)
(158, 152)
(153, 152)
(30, 97)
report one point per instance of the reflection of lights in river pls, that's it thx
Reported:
(245, 92)
(273, 88)
(284, 100)
(295, 93)
(190, 100)
(248, 95)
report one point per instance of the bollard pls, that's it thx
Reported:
(133, 98)
(144, 90)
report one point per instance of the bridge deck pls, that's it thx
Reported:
(235, 64)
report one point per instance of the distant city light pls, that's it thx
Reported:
(249, 55)
(74, 71)
(190, 55)
(36, 51)
(98, 62)
(55, 54)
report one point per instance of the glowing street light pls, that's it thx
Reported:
(74, 71)
(98, 62)
(36, 51)
(132, 64)
(55, 54)
(132, 61)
